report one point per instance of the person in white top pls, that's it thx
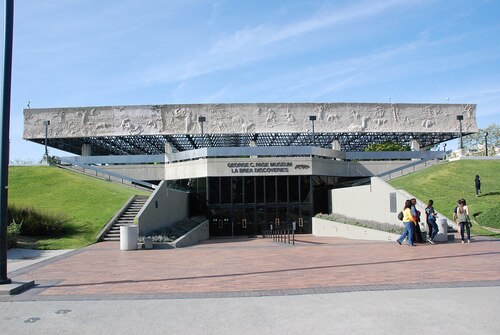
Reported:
(463, 220)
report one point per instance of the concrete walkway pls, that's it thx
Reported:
(18, 258)
(245, 286)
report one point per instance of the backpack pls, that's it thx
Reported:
(400, 216)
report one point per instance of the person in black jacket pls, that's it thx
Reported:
(478, 185)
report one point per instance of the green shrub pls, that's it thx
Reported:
(176, 230)
(13, 231)
(387, 227)
(36, 223)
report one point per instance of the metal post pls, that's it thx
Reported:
(460, 118)
(4, 138)
(313, 118)
(202, 119)
(486, 143)
(46, 124)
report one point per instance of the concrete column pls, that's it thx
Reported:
(86, 149)
(169, 148)
(253, 144)
(414, 145)
(336, 145)
(442, 235)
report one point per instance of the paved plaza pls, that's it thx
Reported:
(258, 284)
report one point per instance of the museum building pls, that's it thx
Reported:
(248, 166)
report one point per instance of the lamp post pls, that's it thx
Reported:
(486, 143)
(312, 118)
(46, 124)
(4, 135)
(202, 119)
(460, 118)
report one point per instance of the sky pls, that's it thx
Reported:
(70, 53)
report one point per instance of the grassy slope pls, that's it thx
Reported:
(87, 203)
(447, 182)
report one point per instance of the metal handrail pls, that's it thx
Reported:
(108, 173)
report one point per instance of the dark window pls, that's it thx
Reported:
(213, 190)
(282, 189)
(259, 189)
(305, 189)
(249, 190)
(225, 190)
(293, 182)
(237, 190)
(270, 190)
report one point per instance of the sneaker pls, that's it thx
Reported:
(399, 242)
(431, 241)
(463, 241)
(468, 241)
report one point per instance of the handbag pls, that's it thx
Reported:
(400, 216)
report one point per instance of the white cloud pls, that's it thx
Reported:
(261, 42)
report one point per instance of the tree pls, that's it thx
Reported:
(387, 146)
(476, 142)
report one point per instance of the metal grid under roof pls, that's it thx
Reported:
(155, 144)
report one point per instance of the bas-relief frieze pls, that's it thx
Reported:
(247, 118)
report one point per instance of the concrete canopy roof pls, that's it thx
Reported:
(132, 130)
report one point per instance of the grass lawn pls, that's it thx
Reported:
(446, 183)
(85, 203)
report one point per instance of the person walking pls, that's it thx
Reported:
(431, 221)
(408, 221)
(477, 181)
(417, 234)
(463, 220)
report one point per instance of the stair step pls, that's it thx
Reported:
(125, 219)
(111, 239)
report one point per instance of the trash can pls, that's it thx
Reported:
(148, 243)
(128, 237)
(442, 235)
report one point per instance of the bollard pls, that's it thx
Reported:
(442, 235)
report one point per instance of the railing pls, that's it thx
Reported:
(285, 234)
(407, 169)
(106, 174)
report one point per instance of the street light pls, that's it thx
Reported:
(486, 142)
(4, 134)
(46, 124)
(312, 118)
(460, 118)
(202, 119)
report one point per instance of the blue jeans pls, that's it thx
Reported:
(408, 232)
(433, 228)
(464, 225)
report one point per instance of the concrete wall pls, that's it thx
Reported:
(140, 171)
(247, 118)
(321, 227)
(373, 202)
(200, 233)
(164, 207)
(295, 166)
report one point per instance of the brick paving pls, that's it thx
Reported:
(255, 267)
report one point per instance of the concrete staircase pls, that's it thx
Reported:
(125, 218)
